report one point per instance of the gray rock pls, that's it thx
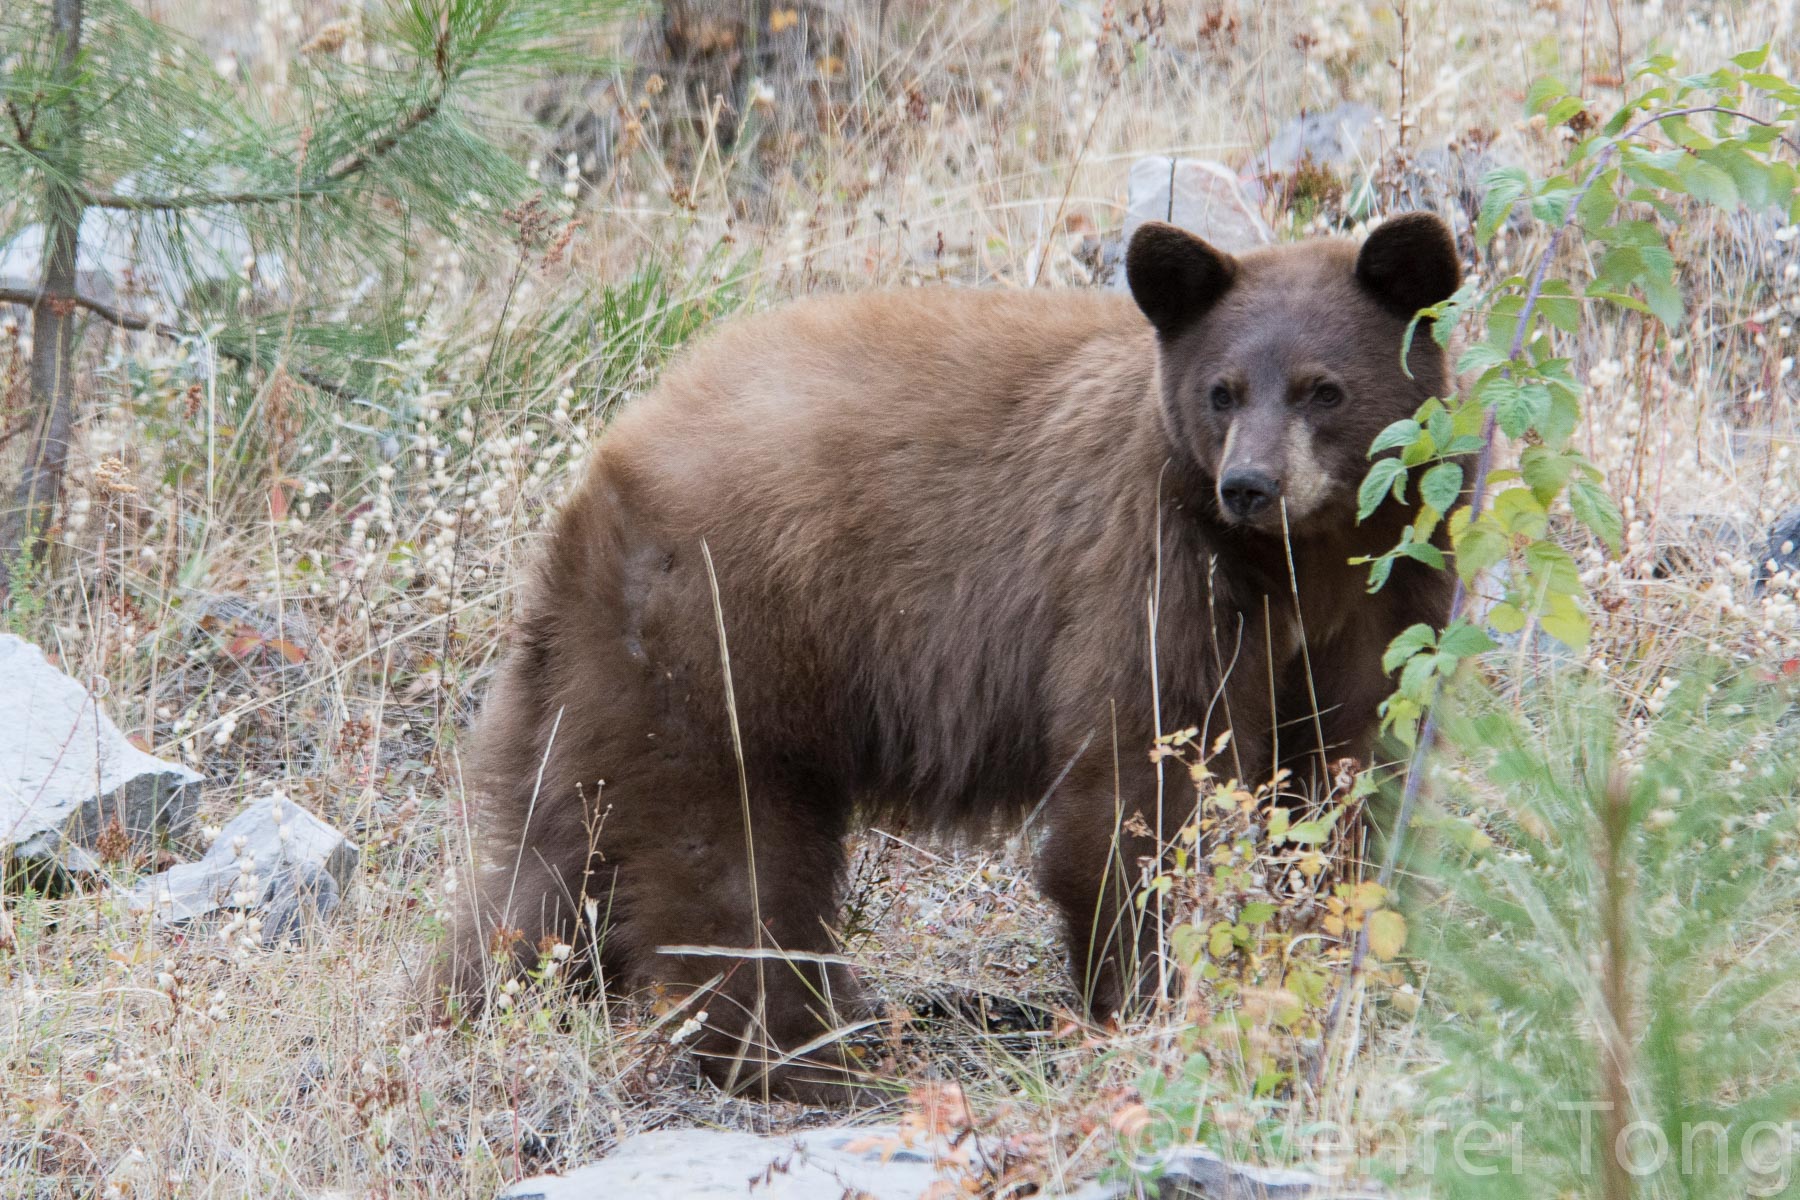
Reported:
(1451, 181)
(1195, 1173)
(1201, 196)
(818, 1164)
(1345, 142)
(274, 858)
(299, 900)
(67, 773)
(1339, 139)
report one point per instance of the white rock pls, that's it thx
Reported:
(1201, 196)
(252, 866)
(67, 772)
(818, 1164)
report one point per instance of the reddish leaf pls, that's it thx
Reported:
(244, 642)
(292, 652)
(243, 645)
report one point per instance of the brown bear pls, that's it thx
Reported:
(949, 557)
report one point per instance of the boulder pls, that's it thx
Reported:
(1345, 143)
(68, 775)
(274, 858)
(889, 1162)
(1201, 196)
(1341, 139)
(170, 260)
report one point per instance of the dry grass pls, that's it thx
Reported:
(960, 141)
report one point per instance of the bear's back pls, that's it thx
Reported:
(838, 382)
(933, 427)
(905, 497)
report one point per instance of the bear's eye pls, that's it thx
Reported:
(1328, 395)
(1221, 397)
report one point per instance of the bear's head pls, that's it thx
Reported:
(1279, 366)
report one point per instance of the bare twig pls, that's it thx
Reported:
(138, 323)
(106, 312)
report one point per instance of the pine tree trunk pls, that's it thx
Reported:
(33, 500)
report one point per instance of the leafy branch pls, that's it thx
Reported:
(1530, 395)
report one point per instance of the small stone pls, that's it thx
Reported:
(68, 775)
(1196, 1173)
(877, 1162)
(1782, 549)
(294, 882)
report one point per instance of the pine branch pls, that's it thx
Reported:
(349, 164)
(354, 161)
(198, 199)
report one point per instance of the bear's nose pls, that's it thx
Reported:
(1246, 491)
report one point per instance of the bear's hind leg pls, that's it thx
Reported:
(684, 899)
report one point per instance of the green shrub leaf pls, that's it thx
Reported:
(1385, 475)
(1441, 485)
(1595, 509)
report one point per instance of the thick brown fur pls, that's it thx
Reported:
(941, 524)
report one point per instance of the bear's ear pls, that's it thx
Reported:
(1409, 263)
(1174, 276)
